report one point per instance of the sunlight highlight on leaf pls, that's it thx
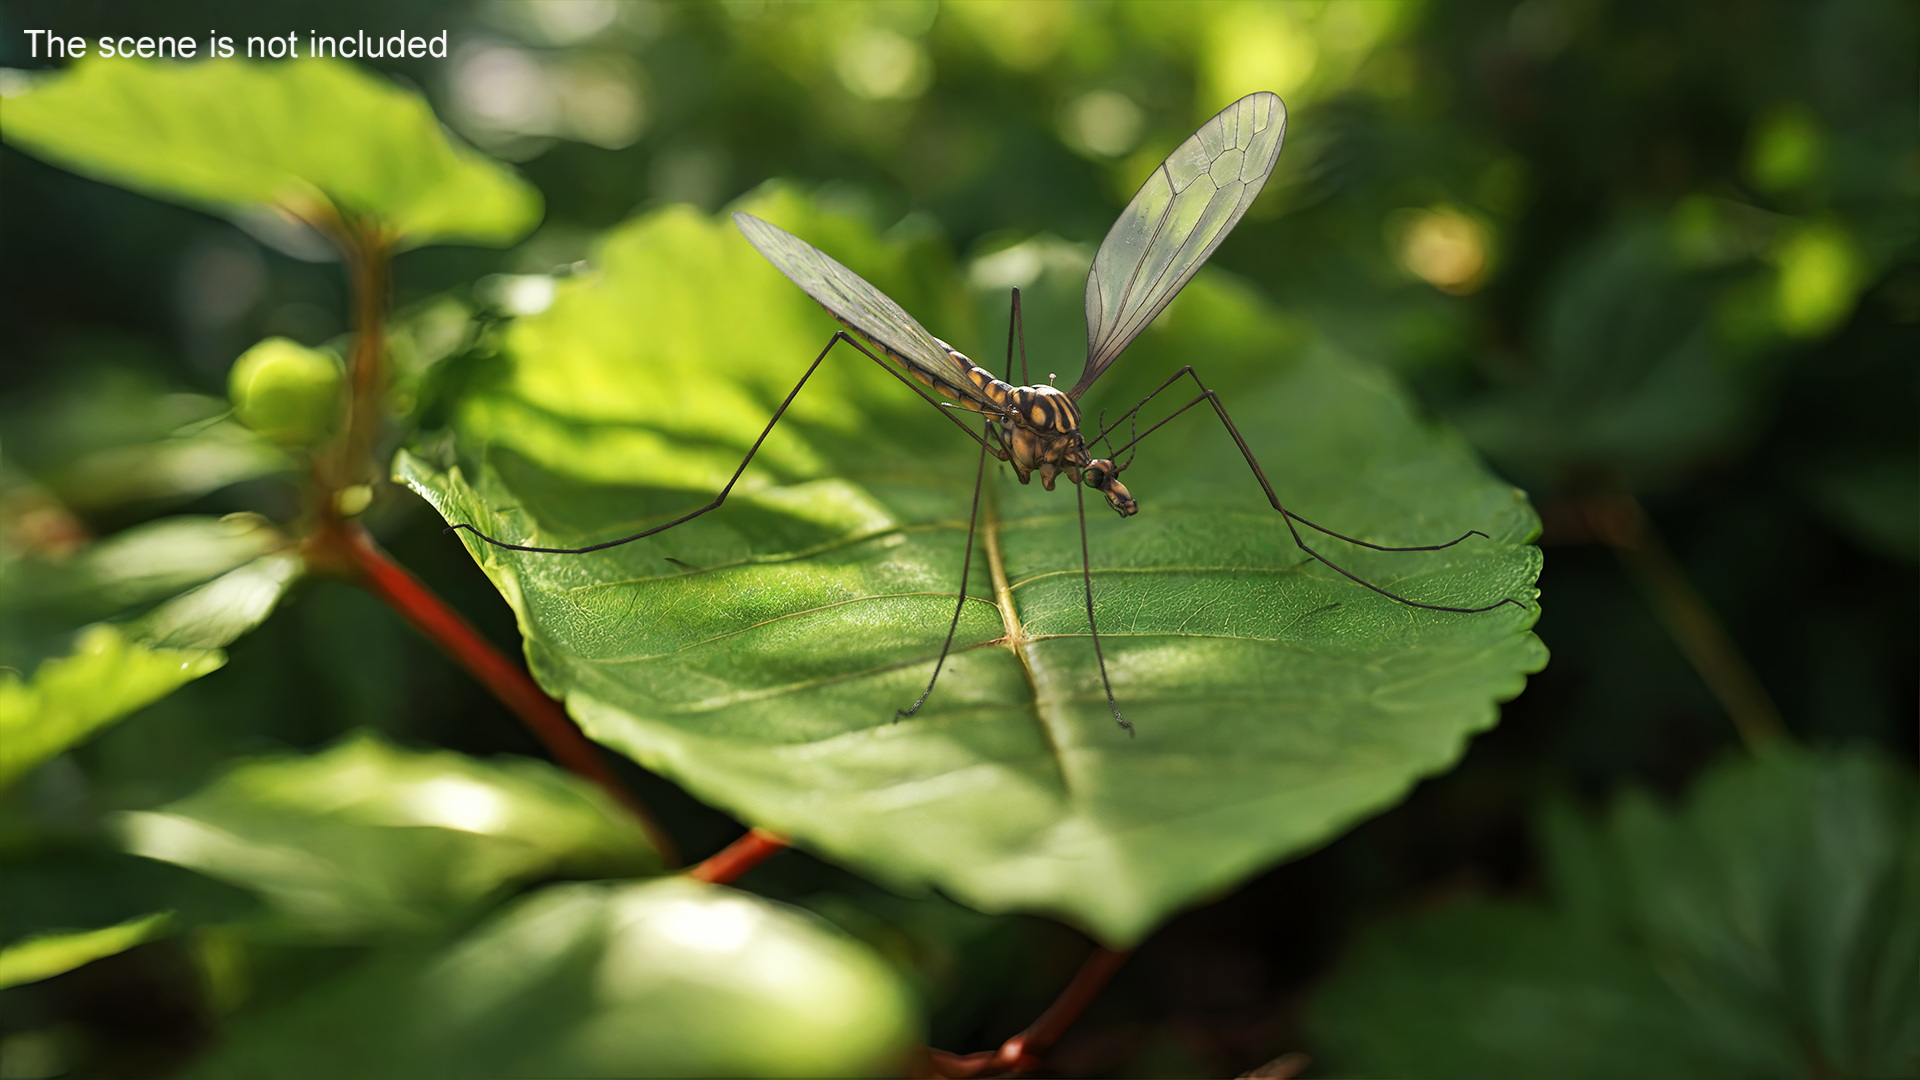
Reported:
(757, 654)
(308, 139)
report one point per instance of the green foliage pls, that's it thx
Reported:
(69, 698)
(216, 613)
(667, 978)
(1768, 927)
(365, 840)
(308, 139)
(289, 393)
(45, 955)
(1631, 371)
(757, 656)
(1656, 248)
(107, 437)
(87, 678)
(140, 565)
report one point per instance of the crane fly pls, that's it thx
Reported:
(1175, 221)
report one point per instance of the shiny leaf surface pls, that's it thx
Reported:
(367, 839)
(306, 139)
(667, 978)
(45, 955)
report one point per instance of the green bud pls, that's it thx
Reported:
(286, 391)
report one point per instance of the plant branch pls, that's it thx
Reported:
(340, 546)
(368, 252)
(1619, 521)
(1021, 1054)
(756, 847)
(346, 549)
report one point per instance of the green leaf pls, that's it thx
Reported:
(125, 572)
(1630, 372)
(367, 839)
(45, 955)
(108, 676)
(188, 463)
(1768, 927)
(105, 437)
(1877, 500)
(758, 654)
(312, 139)
(109, 670)
(1502, 990)
(667, 978)
(59, 878)
(220, 611)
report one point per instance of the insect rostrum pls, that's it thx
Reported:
(1180, 215)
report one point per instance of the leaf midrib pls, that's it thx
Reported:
(1020, 643)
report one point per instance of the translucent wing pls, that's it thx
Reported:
(1183, 211)
(862, 308)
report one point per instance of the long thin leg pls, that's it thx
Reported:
(1205, 394)
(839, 336)
(1220, 410)
(966, 565)
(973, 520)
(1086, 579)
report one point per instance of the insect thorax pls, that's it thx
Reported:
(1038, 428)
(1041, 432)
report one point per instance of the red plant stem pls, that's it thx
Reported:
(1021, 1054)
(370, 567)
(738, 857)
(343, 548)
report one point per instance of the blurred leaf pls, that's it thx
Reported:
(1627, 371)
(109, 675)
(138, 566)
(1769, 927)
(1878, 501)
(111, 670)
(305, 138)
(190, 462)
(367, 839)
(1503, 990)
(1276, 704)
(667, 978)
(223, 609)
(45, 955)
(57, 877)
(108, 436)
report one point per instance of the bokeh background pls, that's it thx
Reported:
(1659, 263)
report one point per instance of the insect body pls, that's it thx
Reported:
(1176, 220)
(1037, 428)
